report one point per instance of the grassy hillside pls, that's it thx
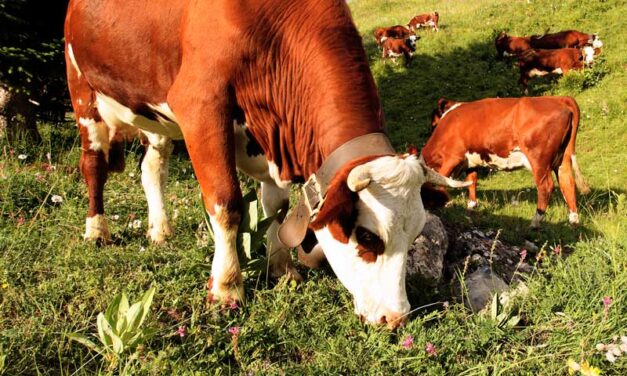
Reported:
(52, 283)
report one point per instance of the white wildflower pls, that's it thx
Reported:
(22, 157)
(610, 357)
(131, 174)
(136, 224)
(142, 249)
(115, 217)
(56, 199)
(600, 347)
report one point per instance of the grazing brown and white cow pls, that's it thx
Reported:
(279, 89)
(424, 20)
(542, 62)
(393, 48)
(510, 46)
(397, 32)
(536, 133)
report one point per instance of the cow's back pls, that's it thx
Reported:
(127, 49)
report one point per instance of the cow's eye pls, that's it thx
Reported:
(369, 240)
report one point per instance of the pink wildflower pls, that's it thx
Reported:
(430, 349)
(233, 306)
(557, 250)
(234, 330)
(182, 331)
(408, 342)
(20, 220)
(607, 302)
(523, 255)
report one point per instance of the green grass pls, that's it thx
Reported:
(53, 283)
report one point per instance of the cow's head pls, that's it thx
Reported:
(411, 42)
(595, 42)
(588, 53)
(371, 214)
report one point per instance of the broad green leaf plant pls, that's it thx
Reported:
(120, 327)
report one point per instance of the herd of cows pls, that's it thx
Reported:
(291, 100)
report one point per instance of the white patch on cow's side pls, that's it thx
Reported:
(393, 54)
(98, 135)
(70, 53)
(557, 71)
(472, 204)
(389, 206)
(515, 160)
(115, 113)
(225, 269)
(573, 218)
(588, 55)
(536, 220)
(154, 176)
(96, 228)
(450, 109)
(165, 110)
(383, 39)
(537, 73)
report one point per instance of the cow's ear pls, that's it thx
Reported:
(442, 103)
(433, 197)
(338, 211)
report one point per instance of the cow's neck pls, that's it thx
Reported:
(321, 95)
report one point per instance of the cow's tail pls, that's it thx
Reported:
(582, 186)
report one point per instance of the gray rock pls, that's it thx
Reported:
(480, 286)
(425, 258)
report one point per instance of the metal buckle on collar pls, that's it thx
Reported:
(313, 195)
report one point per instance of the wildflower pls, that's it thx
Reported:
(572, 366)
(115, 217)
(233, 306)
(445, 305)
(610, 357)
(131, 174)
(408, 342)
(5, 285)
(49, 157)
(56, 199)
(607, 302)
(20, 220)
(48, 167)
(623, 344)
(181, 331)
(22, 157)
(136, 224)
(557, 250)
(39, 177)
(587, 370)
(523, 255)
(234, 330)
(601, 347)
(430, 349)
(142, 249)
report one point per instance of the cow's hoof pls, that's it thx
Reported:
(96, 229)
(573, 219)
(159, 234)
(471, 205)
(227, 295)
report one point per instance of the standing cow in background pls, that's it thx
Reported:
(393, 48)
(536, 133)
(425, 20)
(253, 96)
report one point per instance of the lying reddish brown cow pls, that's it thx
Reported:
(542, 62)
(510, 46)
(393, 48)
(425, 20)
(254, 97)
(536, 133)
(397, 32)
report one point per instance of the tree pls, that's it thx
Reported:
(32, 70)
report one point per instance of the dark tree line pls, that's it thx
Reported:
(32, 68)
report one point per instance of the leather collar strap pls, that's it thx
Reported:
(294, 228)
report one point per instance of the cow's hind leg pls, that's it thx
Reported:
(154, 176)
(472, 189)
(544, 184)
(95, 147)
(274, 199)
(564, 174)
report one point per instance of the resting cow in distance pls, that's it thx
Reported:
(396, 32)
(536, 133)
(512, 46)
(542, 62)
(286, 100)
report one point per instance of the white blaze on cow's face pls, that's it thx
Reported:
(388, 216)
(588, 55)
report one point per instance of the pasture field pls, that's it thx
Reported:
(53, 284)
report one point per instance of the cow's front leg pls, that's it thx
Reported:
(274, 199)
(207, 127)
(154, 176)
(544, 184)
